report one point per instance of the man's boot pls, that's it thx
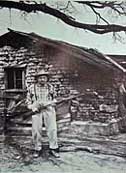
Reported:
(54, 153)
(36, 154)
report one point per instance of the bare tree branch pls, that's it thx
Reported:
(43, 7)
(98, 16)
(117, 6)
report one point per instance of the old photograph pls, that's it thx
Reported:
(62, 86)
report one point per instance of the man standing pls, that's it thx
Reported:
(40, 99)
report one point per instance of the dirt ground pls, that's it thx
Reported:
(13, 160)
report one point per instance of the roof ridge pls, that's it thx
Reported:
(87, 51)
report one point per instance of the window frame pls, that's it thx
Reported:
(15, 89)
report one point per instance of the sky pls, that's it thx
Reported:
(51, 27)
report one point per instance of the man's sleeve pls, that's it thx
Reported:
(52, 91)
(122, 89)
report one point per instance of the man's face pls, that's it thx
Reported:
(42, 79)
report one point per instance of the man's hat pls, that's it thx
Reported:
(42, 73)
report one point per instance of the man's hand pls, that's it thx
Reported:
(53, 103)
(35, 107)
(35, 110)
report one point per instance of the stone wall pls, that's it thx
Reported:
(35, 62)
(69, 76)
(97, 106)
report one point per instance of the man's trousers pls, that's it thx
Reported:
(49, 117)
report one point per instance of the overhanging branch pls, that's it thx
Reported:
(43, 7)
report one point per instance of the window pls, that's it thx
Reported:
(14, 78)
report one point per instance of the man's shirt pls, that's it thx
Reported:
(40, 94)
